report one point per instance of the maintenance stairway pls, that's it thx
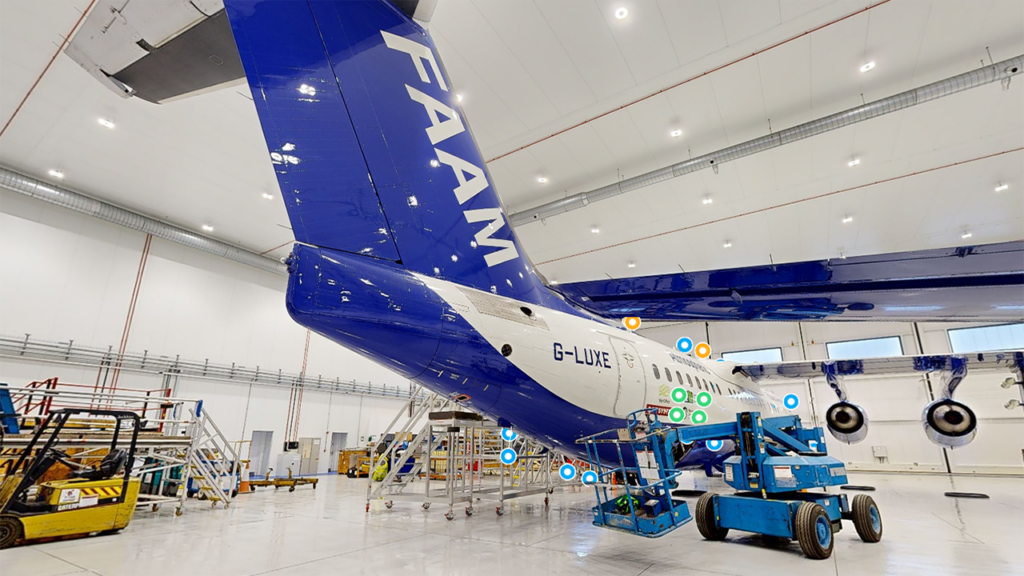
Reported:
(456, 457)
(180, 449)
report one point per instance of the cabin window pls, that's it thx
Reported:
(679, 378)
(668, 374)
(690, 380)
(657, 375)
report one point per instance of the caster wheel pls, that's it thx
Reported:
(469, 511)
(449, 516)
(314, 486)
(155, 507)
(426, 505)
(291, 488)
(389, 504)
(367, 506)
(276, 487)
(499, 511)
(551, 490)
(546, 502)
(252, 488)
(213, 504)
(177, 511)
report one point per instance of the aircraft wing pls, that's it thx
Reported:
(975, 283)
(1010, 359)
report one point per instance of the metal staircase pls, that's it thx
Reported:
(212, 462)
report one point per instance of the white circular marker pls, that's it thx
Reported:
(791, 401)
(589, 477)
(509, 434)
(567, 471)
(508, 456)
(714, 445)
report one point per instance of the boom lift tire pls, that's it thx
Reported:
(707, 525)
(866, 518)
(11, 531)
(814, 531)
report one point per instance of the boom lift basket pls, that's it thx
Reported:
(646, 468)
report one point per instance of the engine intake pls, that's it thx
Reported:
(949, 423)
(847, 422)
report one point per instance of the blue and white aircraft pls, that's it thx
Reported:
(403, 252)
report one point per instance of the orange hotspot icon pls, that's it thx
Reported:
(702, 350)
(631, 322)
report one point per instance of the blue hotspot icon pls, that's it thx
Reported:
(714, 445)
(791, 401)
(567, 471)
(589, 477)
(509, 456)
(508, 434)
(684, 345)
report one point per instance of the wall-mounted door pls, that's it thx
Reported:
(259, 452)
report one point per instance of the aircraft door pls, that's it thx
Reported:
(632, 389)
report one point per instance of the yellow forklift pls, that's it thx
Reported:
(96, 499)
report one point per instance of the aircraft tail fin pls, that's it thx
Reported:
(371, 149)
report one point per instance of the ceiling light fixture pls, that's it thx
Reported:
(595, 230)
(1002, 187)
(621, 13)
(727, 244)
(105, 123)
(853, 162)
(554, 282)
(268, 196)
(867, 66)
(848, 219)
(966, 235)
(676, 133)
(708, 200)
(541, 179)
(207, 228)
(57, 174)
(631, 265)
(458, 97)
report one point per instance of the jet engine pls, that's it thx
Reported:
(949, 423)
(847, 422)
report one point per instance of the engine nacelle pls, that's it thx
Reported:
(847, 422)
(949, 423)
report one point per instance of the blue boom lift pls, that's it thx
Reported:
(777, 462)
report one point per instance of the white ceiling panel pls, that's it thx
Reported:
(696, 28)
(746, 18)
(641, 37)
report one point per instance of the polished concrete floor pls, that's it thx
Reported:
(327, 532)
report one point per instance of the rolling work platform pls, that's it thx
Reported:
(774, 469)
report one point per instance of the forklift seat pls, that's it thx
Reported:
(111, 465)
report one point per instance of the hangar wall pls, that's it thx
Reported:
(893, 404)
(68, 276)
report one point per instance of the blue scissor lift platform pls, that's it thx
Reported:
(777, 462)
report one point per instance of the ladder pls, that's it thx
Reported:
(211, 462)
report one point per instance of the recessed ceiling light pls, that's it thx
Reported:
(595, 230)
(853, 162)
(434, 163)
(1002, 187)
(848, 219)
(621, 13)
(268, 196)
(842, 256)
(458, 97)
(966, 235)
(207, 228)
(676, 133)
(727, 244)
(631, 265)
(541, 179)
(105, 123)
(708, 200)
(554, 282)
(867, 66)
(57, 174)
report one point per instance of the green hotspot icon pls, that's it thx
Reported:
(704, 399)
(678, 395)
(699, 417)
(677, 414)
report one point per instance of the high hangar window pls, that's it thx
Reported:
(987, 338)
(754, 356)
(869, 348)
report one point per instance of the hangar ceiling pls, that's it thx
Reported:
(528, 70)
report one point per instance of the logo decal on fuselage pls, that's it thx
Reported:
(588, 357)
(471, 177)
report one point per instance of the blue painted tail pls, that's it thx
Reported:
(371, 150)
